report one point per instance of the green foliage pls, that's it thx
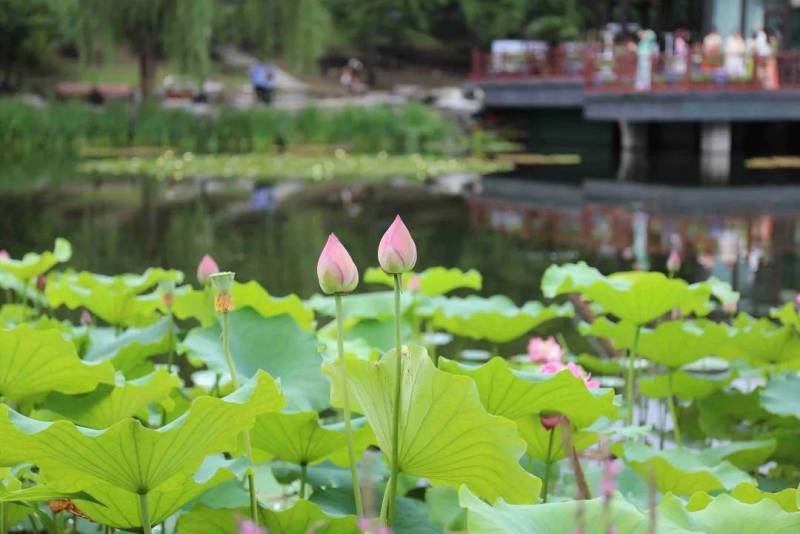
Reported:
(431, 282)
(32, 264)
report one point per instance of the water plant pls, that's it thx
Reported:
(117, 412)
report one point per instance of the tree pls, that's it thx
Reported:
(491, 20)
(27, 28)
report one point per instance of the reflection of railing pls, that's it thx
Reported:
(626, 71)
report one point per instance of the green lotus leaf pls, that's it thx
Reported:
(376, 305)
(34, 264)
(761, 341)
(750, 494)
(601, 366)
(641, 297)
(681, 471)
(554, 517)
(129, 456)
(685, 385)
(276, 344)
(198, 304)
(731, 414)
(39, 361)
(620, 333)
(118, 508)
(108, 404)
(304, 516)
(496, 319)
(746, 455)
(299, 438)
(445, 433)
(787, 315)
(725, 514)
(116, 305)
(721, 290)
(376, 333)
(431, 282)
(781, 396)
(537, 438)
(122, 283)
(568, 278)
(505, 393)
(128, 351)
(445, 510)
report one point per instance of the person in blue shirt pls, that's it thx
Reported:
(262, 77)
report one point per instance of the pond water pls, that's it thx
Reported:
(509, 228)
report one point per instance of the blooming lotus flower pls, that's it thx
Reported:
(545, 350)
(335, 268)
(577, 371)
(674, 261)
(397, 252)
(206, 268)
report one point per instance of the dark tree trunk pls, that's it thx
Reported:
(147, 71)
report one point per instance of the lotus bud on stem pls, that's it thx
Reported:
(397, 254)
(222, 283)
(167, 290)
(550, 422)
(338, 275)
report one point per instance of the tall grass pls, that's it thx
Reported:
(412, 128)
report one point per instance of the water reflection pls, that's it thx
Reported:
(511, 230)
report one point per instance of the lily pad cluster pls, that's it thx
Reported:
(119, 410)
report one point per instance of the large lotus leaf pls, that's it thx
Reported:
(198, 304)
(787, 315)
(129, 350)
(731, 413)
(108, 404)
(445, 433)
(725, 514)
(568, 278)
(505, 393)
(537, 438)
(750, 494)
(303, 517)
(641, 297)
(115, 304)
(496, 319)
(682, 471)
(746, 455)
(129, 456)
(118, 508)
(376, 333)
(376, 305)
(555, 517)
(445, 510)
(431, 282)
(38, 361)
(276, 344)
(781, 396)
(685, 385)
(296, 437)
(621, 334)
(721, 290)
(33, 264)
(123, 283)
(761, 341)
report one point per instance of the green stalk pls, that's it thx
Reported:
(673, 410)
(548, 463)
(631, 378)
(387, 508)
(171, 341)
(144, 513)
(3, 518)
(251, 483)
(303, 471)
(348, 431)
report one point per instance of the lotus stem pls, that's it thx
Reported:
(548, 464)
(388, 508)
(251, 483)
(144, 514)
(629, 389)
(3, 528)
(303, 474)
(673, 410)
(170, 341)
(348, 431)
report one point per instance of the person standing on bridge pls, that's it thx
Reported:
(644, 59)
(734, 56)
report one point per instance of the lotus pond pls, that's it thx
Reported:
(164, 401)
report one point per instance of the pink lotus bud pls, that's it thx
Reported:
(248, 527)
(413, 283)
(41, 282)
(397, 252)
(4, 255)
(206, 268)
(335, 268)
(86, 318)
(797, 299)
(674, 261)
(551, 421)
(545, 350)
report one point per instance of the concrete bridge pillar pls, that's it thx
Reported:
(715, 151)
(633, 140)
(633, 135)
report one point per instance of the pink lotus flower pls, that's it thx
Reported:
(335, 268)
(248, 527)
(577, 371)
(206, 268)
(397, 252)
(545, 350)
(674, 261)
(4, 255)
